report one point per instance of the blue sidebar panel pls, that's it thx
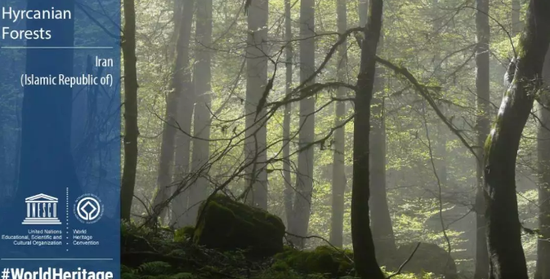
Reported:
(60, 139)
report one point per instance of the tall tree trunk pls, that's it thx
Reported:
(507, 260)
(289, 53)
(382, 229)
(483, 129)
(338, 160)
(363, 10)
(381, 223)
(440, 150)
(176, 18)
(130, 111)
(304, 176)
(180, 86)
(186, 101)
(517, 24)
(256, 133)
(363, 244)
(440, 142)
(543, 148)
(203, 76)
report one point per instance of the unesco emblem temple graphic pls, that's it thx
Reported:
(41, 210)
(88, 209)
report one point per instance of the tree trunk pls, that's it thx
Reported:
(363, 10)
(543, 148)
(338, 161)
(180, 87)
(304, 176)
(382, 229)
(256, 133)
(483, 129)
(363, 245)
(186, 101)
(507, 260)
(517, 24)
(440, 151)
(381, 223)
(440, 142)
(203, 77)
(130, 111)
(289, 53)
(176, 17)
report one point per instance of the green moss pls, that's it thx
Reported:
(279, 270)
(184, 234)
(322, 260)
(228, 225)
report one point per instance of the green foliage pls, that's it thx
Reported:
(126, 269)
(184, 234)
(438, 57)
(154, 268)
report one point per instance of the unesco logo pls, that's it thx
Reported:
(88, 208)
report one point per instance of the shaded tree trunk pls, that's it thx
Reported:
(483, 129)
(289, 53)
(180, 86)
(176, 18)
(304, 176)
(440, 150)
(186, 102)
(202, 120)
(363, 244)
(363, 10)
(381, 223)
(517, 24)
(256, 132)
(543, 148)
(440, 142)
(507, 260)
(131, 131)
(338, 160)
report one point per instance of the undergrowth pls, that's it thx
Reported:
(161, 253)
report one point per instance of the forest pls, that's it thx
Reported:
(336, 139)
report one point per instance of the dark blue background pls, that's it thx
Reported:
(54, 137)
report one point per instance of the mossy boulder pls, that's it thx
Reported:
(228, 225)
(184, 234)
(428, 258)
(322, 260)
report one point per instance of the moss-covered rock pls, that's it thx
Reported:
(184, 234)
(322, 260)
(228, 225)
(428, 258)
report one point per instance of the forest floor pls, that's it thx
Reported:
(165, 254)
